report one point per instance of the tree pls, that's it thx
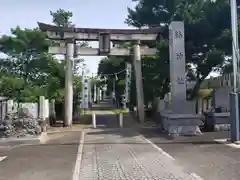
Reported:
(108, 69)
(28, 71)
(29, 67)
(204, 52)
(23, 49)
(62, 18)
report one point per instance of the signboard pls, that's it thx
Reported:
(128, 81)
(85, 92)
(104, 43)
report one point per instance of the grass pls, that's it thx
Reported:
(204, 93)
(87, 112)
(121, 110)
(83, 111)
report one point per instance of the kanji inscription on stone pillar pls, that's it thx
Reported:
(177, 63)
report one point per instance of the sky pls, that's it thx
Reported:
(86, 13)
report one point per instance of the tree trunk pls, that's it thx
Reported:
(194, 92)
(165, 88)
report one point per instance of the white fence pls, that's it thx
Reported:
(41, 110)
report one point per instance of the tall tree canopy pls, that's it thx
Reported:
(28, 65)
(28, 71)
(207, 43)
(62, 17)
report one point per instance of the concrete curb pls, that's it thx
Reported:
(24, 140)
(228, 142)
(65, 130)
(59, 131)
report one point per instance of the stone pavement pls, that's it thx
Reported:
(54, 160)
(200, 154)
(98, 154)
(122, 154)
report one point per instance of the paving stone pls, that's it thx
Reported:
(116, 157)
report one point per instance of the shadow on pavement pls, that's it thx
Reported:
(205, 138)
(107, 120)
(163, 138)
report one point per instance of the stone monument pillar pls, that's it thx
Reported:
(177, 66)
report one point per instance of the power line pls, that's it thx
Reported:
(113, 73)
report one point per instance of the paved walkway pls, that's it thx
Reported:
(54, 160)
(122, 154)
(106, 118)
(107, 153)
(125, 155)
(201, 154)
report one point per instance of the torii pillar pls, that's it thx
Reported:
(69, 82)
(139, 85)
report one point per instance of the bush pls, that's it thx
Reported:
(121, 110)
(80, 110)
(205, 93)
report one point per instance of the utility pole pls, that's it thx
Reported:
(234, 102)
(235, 45)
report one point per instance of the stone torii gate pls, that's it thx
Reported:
(69, 48)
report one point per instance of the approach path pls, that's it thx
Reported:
(126, 155)
(105, 153)
(123, 154)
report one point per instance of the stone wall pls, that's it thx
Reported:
(33, 108)
(24, 119)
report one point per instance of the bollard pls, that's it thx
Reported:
(121, 120)
(94, 120)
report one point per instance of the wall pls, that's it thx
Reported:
(33, 108)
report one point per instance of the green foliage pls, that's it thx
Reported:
(29, 71)
(204, 93)
(80, 110)
(207, 43)
(207, 37)
(107, 69)
(120, 111)
(62, 17)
